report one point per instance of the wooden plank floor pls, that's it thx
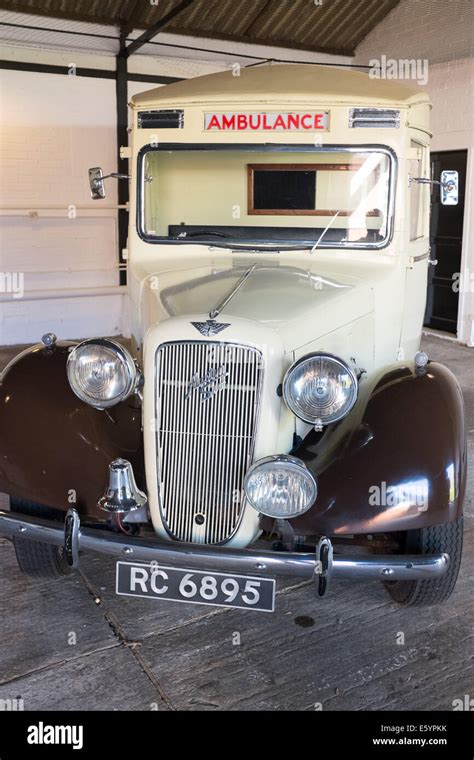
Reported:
(73, 644)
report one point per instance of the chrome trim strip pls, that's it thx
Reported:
(33, 350)
(391, 567)
(421, 257)
(267, 563)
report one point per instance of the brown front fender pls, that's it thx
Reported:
(55, 449)
(396, 463)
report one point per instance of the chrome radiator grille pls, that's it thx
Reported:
(207, 400)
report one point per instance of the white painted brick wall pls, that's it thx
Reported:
(451, 88)
(53, 128)
(439, 30)
(443, 33)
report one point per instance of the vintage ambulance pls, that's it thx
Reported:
(273, 414)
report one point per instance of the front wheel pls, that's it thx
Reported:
(35, 558)
(435, 539)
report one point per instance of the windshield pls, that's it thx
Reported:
(262, 196)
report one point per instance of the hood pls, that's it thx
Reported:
(299, 304)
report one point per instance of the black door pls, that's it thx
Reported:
(446, 243)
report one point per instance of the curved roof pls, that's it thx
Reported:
(283, 83)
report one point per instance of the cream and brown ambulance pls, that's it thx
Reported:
(274, 414)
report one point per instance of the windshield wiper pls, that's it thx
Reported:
(198, 233)
(270, 247)
(324, 232)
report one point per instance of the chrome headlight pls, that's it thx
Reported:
(320, 388)
(101, 372)
(280, 486)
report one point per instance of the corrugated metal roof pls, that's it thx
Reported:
(330, 26)
(19, 29)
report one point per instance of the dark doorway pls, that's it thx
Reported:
(446, 244)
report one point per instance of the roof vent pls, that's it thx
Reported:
(166, 119)
(374, 117)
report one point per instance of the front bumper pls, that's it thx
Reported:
(75, 538)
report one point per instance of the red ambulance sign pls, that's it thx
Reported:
(263, 121)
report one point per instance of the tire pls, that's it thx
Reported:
(35, 558)
(448, 538)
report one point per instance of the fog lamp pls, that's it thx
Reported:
(280, 486)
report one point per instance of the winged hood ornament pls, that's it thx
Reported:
(210, 327)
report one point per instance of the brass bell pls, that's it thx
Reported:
(122, 493)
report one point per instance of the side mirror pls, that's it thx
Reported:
(96, 182)
(449, 187)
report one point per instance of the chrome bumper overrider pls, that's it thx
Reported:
(75, 538)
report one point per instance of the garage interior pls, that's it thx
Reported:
(67, 75)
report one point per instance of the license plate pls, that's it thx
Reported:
(155, 581)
